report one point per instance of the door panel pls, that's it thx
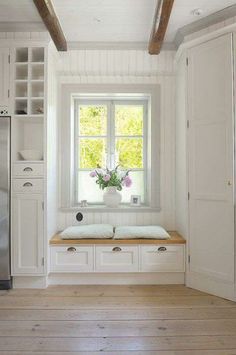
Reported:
(210, 157)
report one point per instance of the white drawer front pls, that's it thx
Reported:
(28, 169)
(72, 258)
(166, 258)
(117, 258)
(28, 185)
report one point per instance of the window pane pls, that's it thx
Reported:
(92, 152)
(88, 189)
(92, 120)
(137, 187)
(129, 152)
(128, 120)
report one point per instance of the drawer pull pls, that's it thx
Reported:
(116, 249)
(71, 249)
(27, 184)
(162, 249)
(27, 169)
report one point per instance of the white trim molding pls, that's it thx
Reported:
(66, 139)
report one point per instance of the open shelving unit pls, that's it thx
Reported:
(29, 100)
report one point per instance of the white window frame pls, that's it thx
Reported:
(69, 92)
(110, 136)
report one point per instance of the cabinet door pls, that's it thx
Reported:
(113, 258)
(4, 75)
(162, 258)
(27, 234)
(77, 258)
(211, 163)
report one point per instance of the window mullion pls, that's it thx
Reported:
(112, 136)
(108, 158)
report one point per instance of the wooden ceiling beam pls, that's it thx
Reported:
(160, 23)
(50, 19)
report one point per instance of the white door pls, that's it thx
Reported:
(210, 161)
(4, 75)
(27, 234)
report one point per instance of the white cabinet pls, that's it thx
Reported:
(117, 258)
(27, 234)
(77, 258)
(4, 82)
(162, 258)
(120, 258)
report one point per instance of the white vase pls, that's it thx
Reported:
(111, 197)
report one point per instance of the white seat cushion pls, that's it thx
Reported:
(139, 232)
(93, 231)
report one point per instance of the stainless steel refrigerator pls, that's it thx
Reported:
(5, 172)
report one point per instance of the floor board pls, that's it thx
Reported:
(124, 320)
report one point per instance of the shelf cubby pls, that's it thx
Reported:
(22, 55)
(27, 133)
(37, 89)
(37, 55)
(37, 72)
(21, 71)
(37, 106)
(21, 89)
(21, 106)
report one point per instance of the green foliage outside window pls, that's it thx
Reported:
(91, 153)
(93, 122)
(129, 120)
(130, 152)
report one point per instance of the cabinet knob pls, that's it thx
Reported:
(116, 249)
(27, 169)
(27, 184)
(162, 249)
(71, 249)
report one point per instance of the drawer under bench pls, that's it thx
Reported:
(139, 255)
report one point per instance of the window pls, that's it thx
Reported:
(110, 133)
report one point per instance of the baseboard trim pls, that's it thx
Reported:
(30, 282)
(117, 279)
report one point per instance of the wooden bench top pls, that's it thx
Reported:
(175, 239)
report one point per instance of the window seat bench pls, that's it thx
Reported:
(117, 256)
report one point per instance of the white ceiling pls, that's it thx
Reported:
(18, 11)
(109, 20)
(182, 13)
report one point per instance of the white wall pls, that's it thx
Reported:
(181, 159)
(51, 142)
(130, 67)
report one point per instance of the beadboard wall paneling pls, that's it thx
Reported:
(105, 63)
(129, 67)
(24, 35)
(51, 141)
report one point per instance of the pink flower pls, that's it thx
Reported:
(106, 177)
(127, 181)
(93, 174)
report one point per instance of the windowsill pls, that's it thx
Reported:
(120, 209)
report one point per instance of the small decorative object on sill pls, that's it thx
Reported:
(83, 203)
(113, 181)
(135, 200)
(39, 110)
(21, 112)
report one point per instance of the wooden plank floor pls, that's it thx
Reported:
(116, 320)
